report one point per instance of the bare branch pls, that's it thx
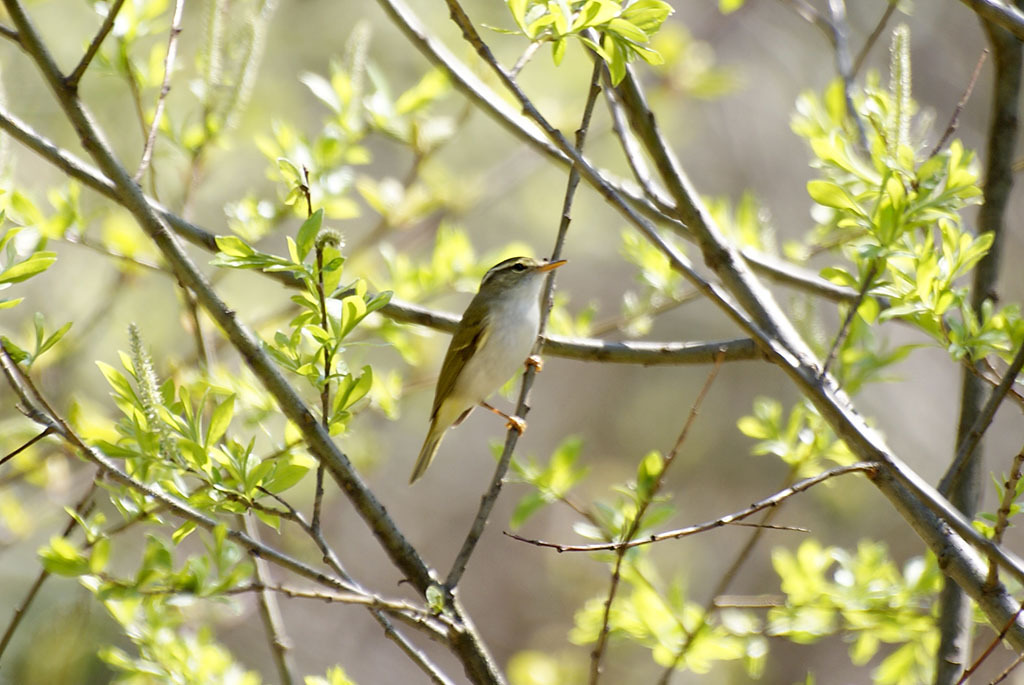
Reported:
(522, 406)
(840, 44)
(22, 608)
(165, 88)
(10, 34)
(270, 611)
(11, 455)
(996, 641)
(984, 419)
(1005, 507)
(999, 13)
(647, 498)
(837, 343)
(858, 62)
(774, 500)
(954, 119)
(94, 45)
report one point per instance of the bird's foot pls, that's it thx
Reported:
(536, 362)
(517, 424)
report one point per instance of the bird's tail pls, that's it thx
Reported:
(428, 451)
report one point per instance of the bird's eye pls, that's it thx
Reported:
(519, 266)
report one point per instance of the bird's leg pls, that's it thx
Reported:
(514, 422)
(536, 362)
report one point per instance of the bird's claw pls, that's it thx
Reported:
(536, 362)
(516, 424)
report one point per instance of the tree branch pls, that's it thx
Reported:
(165, 88)
(645, 498)
(657, 209)
(270, 612)
(522, 407)
(963, 481)
(729, 519)
(927, 511)
(999, 13)
(94, 45)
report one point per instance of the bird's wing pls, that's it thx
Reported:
(469, 336)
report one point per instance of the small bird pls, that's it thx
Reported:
(494, 337)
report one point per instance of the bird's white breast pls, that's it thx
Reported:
(505, 349)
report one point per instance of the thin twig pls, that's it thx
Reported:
(630, 147)
(325, 392)
(981, 424)
(1005, 506)
(527, 55)
(842, 49)
(39, 436)
(991, 648)
(869, 279)
(1009, 669)
(723, 584)
(22, 608)
(270, 611)
(808, 13)
(774, 500)
(10, 34)
(634, 527)
(954, 119)
(165, 88)
(94, 45)
(522, 406)
(858, 62)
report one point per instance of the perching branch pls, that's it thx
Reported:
(466, 642)
(522, 406)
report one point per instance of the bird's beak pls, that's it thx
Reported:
(552, 265)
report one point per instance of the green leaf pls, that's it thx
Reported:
(35, 264)
(831, 194)
(435, 599)
(220, 420)
(647, 15)
(308, 232)
(627, 30)
(100, 555)
(182, 531)
(648, 473)
(233, 246)
(63, 558)
(530, 504)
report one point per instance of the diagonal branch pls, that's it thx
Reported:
(656, 209)
(94, 45)
(730, 519)
(522, 407)
(647, 497)
(165, 88)
(466, 643)
(915, 499)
